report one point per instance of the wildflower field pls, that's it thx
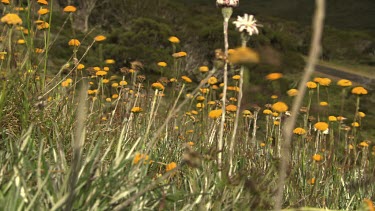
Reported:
(96, 136)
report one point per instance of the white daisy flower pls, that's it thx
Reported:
(227, 3)
(247, 23)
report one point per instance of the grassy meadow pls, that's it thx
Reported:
(90, 135)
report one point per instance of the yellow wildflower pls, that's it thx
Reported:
(110, 61)
(359, 91)
(203, 69)
(299, 131)
(215, 113)
(267, 112)
(212, 80)
(11, 19)
(186, 79)
(323, 103)
(136, 109)
(311, 85)
(274, 76)
(325, 82)
(292, 92)
(43, 11)
(231, 108)
(158, 86)
(280, 107)
(162, 64)
(100, 38)
(173, 39)
(123, 83)
(236, 77)
(74, 42)
(344, 83)
(332, 119)
(322, 126)
(170, 166)
(317, 157)
(70, 9)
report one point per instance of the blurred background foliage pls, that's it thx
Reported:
(139, 30)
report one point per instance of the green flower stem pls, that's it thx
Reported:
(245, 39)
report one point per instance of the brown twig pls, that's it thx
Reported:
(315, 50)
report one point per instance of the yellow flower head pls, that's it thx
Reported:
(42, 2)
(311, 181)
(108, 99)
(43, 11)
(292, 92)
(80, 66)
(363, 144)
(42, 25)
(332, 119)
(204, 90)
(325, 82)
(323, 103)
(243, 55)
(123, 83)
(317, 79)
(70, 9)
(170, 166)
(317, 157)
(101, 73)
(138, 157)
(311, 85)
(322, 126)
(21, 41)
(136, 109)
(274, 96)
(173, 80)
(215, 113)
(236, 77)
(344, 83)
(173, 39)
(158, 86)
(203, 69)
(11, 19)
(100, 38)
(200, 98)
(274, 76)
(361, 114)
(200, 105)
(355, 124)
(299, 131)
(114, 85)
(186, 79)
(267, 112)
(359, 90)
(231, 108)
(5, 2)
(74, 42)
(115, 96)
(280, 107)
(179, 54)
(162, 64)
(110, 61)
(212, 80)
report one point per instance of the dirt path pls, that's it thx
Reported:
(365, 81)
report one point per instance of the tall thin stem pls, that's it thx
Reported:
(315, 50)
(227, 12)
(239, 99)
